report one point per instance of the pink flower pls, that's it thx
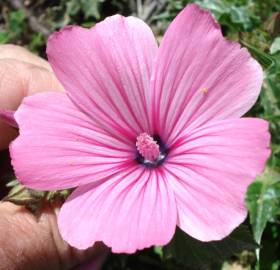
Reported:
(151, 137)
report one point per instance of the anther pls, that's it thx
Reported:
(147, 147)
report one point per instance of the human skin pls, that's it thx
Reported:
(27, 241)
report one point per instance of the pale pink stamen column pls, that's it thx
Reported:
(147, 147)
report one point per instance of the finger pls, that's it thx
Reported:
(36, 244)
(17, 80)
(10, 51)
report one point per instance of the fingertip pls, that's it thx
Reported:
(19, 53)
(17, 80)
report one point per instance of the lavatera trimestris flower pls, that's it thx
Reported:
(150, 137)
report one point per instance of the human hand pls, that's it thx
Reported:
(27, 242)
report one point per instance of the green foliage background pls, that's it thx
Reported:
(253, 23)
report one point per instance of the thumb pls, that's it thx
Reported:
(29, 242)
(35, 243)
(18, 79)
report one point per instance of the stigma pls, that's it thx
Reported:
(147, 147)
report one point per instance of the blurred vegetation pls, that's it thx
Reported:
(253, 23)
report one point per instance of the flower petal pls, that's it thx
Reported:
(106, 70)
(131, 211)
(7, 116)
(200, 76)
(210, 170)
(60, 147)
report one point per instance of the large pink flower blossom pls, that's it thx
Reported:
(151, 137)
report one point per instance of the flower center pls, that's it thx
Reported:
(147, 147)
(151, 152)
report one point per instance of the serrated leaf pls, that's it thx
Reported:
(52, 196)
(263, 201)
(201, 255)
(33, 199)
(20, 195)
(12, 183)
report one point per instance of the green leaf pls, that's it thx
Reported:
(243, 17)
(218, 8)
(158, 250)
(275, 46)
(263, 201)
(17, 20)
(232, 14)
(266, 60)
(269, 253)
(91, 8)
(4, 37)
(36, 42)
(32, 199)
(20, 195)
(201, 255)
